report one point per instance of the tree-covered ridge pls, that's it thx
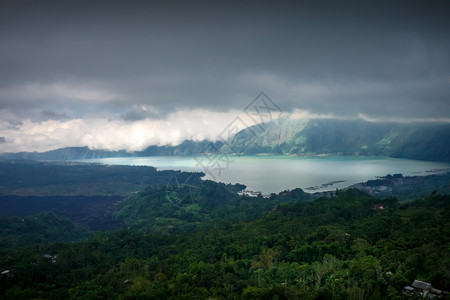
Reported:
(350, 246)
(189, 201)
(423, 141)
(187, 147)
(403, 187)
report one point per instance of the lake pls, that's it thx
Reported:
(272, 174)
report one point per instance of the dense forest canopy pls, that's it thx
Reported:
(203, 240)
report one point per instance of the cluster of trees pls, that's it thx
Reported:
(403, 187)
(43, 228)
(190, 201)
(215, 244)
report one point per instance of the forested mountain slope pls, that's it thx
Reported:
(424, 141)
(350, 246)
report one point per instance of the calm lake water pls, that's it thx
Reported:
(270, 173)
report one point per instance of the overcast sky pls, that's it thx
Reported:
(129, 74)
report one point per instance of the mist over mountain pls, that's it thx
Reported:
(70, 153)
(422, 141)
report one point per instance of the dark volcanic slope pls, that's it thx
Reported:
(85, 193)
(74, 179)
(91, 212)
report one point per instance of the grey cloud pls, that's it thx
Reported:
(14, 124)
(376, 58)
(50, 114)
(2, 140)
(137, 113)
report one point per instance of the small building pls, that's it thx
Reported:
(422, 288)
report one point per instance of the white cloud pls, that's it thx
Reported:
(116, 134)
(299, 114)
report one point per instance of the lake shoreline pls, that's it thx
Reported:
(275, 173)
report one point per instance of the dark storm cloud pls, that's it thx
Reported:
(144, 59)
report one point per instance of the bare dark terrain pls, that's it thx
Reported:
(87, 194)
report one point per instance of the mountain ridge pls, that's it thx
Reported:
(187, 147)
(422, 141)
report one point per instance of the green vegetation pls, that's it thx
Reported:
(177, 208)
(43, 229)
(403, 187)
(221, 245)
(423, 141)
(185, 238)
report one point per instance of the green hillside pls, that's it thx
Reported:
(423, 141)
(44, 228)
(350, 246)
